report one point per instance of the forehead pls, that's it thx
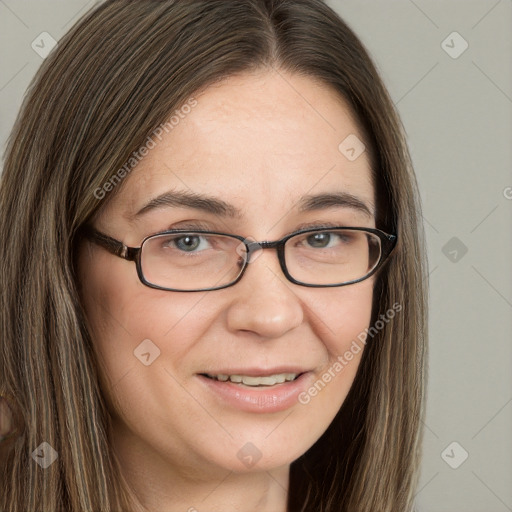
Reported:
(255, 139)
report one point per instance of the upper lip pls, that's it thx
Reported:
(257, 372)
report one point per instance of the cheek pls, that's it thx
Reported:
(343, 317)
(128, 319)
(343, 313)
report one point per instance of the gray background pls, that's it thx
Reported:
(457, 114)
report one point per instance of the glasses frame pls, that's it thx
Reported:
(118, 248)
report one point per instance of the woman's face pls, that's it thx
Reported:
(262, 144)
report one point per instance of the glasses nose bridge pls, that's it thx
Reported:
(253, 246)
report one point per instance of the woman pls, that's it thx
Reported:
(160, 349)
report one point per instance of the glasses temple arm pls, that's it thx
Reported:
(110, 244)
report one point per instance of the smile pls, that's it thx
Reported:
(248, 380)
(257, 393)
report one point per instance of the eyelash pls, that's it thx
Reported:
(199, 226)
(192, 226)
(315, 225)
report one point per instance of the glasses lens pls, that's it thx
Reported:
(194, 261)
(191, 261)
(333, 256)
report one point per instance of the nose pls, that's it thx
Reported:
(264, 302)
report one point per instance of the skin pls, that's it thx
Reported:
(259, 141)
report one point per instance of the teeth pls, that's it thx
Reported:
(270, 380)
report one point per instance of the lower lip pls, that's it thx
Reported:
(258, 399)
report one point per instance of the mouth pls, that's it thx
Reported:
(256, 390)
(254, 380)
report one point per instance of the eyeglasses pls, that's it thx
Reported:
(192, 261)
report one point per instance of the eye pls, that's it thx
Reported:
(326, 240)
(186, 242)
(319, 240)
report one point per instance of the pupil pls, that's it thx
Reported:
(188, 242)
(319, 239)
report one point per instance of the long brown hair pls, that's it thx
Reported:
(115, 77)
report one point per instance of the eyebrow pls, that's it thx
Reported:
(216, 206)
(193, 200)
(335, 199)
